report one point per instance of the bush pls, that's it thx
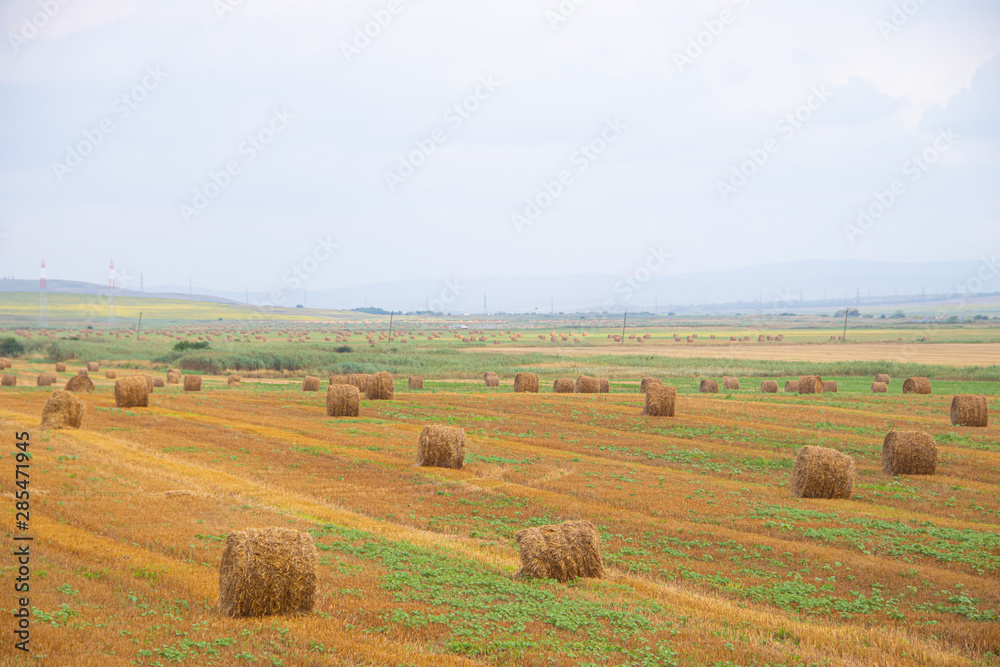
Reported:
(185, 345)
(11, 347)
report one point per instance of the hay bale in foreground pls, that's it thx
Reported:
(132, 392)
(562, 552)
(62, 410)
(233, 381)
(441, 447)
(660, 401)
(491, 379)
(769, 387)
(792, 387)
(810, 384)
(729, 382)
(343, 400)
(879, 388)
(192, 383)
(587, 385)
(110, 375)
(646, 382)
(709, 387)
(917, 385)
(359, 380)
(883, 378)
(173, 377)
(380, 387)
(267, 571)
(526, 383)
(60, 367)
(79, 383)
(415, 383)
(158, 382)
(909, 453)
(969, 410)
(310, 383)
(829, 386)
(605, 386)
(563, 386)
(149, 381)
(820, 472)
(93, 366)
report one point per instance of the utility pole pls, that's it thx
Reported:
(138, 329)
(847, 313)
(390, 325)
(623, 326)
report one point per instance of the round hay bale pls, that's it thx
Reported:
(233, 381)
(43, 380)
(310, 383)
(526, 383)
(338, 379)
(969, 410)
(882, 377)
(563, 386)
(93, 366)
(709, 387)
(792, 387)
(79, 383)
(441, 447)
(820, 472)
(60, 367)
(149, 381)
(359, 380)
(343, 400)
(605, 386)
(83, 372)
(173, 377)
(62, 410)
(729, 382)
(829, 386)
(562, 552)
(660, 401)
(110, 375)
(415, 383)
(810, 384)
(587, 385)
(132, 392)
(646, 382)
(909, 453)
(380, 387)
(769, 387)
(879, 388)
(267, 571)
(491, 379)
(4, 363)
(917, 386)
(192, 383)
(158, 382)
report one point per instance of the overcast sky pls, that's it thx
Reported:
(236, 141)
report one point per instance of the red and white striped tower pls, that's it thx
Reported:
(112, 314)
(43, 300)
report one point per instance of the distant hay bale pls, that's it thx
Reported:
(131, 392)
(60, 367)
(969, 410)
(173, 377)
(268, 571)
(810, 384)
(660, 401)
(646, 382)
(441, 447)
(62, 410)
(729, 382)
(192, 383)
(917, 385)
(605, 386)
(415, 382)
(343, 400)
(93, 366)
(882, 377)
(149, 381)
(587, 385)
(158, 382)
(110, 375)
(909, 453)
(491, 379)
(380, 387)
(43, 380)
(338, 379)
(879, 388)
(84, 372)
(820, 472)
(526, 383)
(310, 383)
(562, 552)
(829, 386)
(79, 383)
(709, 387)
(769, 387)
(233, 381)
(359, 380)
(563, 386)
